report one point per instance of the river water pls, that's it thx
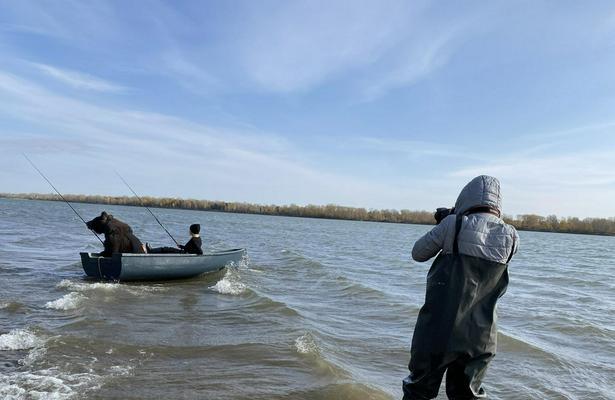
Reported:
(322, 309)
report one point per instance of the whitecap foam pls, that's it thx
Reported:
(81, 286)
(34, 354)
(84, 286)
(67, 302)
(244, 263)
(46, 384)
(306, 344)
(230, 284)
(120, 370)
(19, 339)
(50, 383)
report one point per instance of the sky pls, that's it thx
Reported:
(376, 104)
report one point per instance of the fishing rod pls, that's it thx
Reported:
(147, 208)
(62, 197)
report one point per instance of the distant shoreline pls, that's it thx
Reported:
(526, 222)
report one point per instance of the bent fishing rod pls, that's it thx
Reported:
(62, 197)
(146, 207)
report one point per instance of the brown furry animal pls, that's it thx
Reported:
(118, 235)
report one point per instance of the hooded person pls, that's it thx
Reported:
(456, 328)
(193, 246)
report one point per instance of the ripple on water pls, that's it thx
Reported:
(12, 306)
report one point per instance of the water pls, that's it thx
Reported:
(322, 310)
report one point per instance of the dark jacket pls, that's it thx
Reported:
(193, 246)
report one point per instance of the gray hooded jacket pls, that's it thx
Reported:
(482, 235)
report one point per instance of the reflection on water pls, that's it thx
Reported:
(323, 310)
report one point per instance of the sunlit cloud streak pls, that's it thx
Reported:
(388, 104)
(79, 80)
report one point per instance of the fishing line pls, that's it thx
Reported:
(60, 194)
(147, 208)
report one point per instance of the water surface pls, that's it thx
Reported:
(322, 309)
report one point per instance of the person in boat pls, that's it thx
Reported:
(118, 235)
(193, 246)
(456, 328)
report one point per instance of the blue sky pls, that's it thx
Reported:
(385, 104)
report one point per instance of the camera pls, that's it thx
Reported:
(443, 212)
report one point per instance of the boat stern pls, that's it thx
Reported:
(99, 267)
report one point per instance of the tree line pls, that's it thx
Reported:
(528, 222)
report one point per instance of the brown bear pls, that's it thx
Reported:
(118, 235)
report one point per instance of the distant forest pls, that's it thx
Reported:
(527, 222)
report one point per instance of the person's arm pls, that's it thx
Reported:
(188, 247)
(516, 236)
(433, 241)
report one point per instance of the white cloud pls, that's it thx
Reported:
(302, 44)
(579, 183)
(415, 148)
(417, 60)
(165, 155)
(284, 48)
(79, 80)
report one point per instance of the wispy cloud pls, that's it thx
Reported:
(79, 80)
(580, 183)
(202, 161)
(302, 44)
(416, 148)
(417, 60)
(292, 47)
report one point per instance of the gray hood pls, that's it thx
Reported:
(482, 191)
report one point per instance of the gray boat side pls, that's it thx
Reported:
(133, 267)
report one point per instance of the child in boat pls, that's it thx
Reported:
(193, 246)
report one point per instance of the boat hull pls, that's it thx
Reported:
(140, 267)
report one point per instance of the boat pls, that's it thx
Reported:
(152, 267)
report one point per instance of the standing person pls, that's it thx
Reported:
(193, 246)
(456, 328)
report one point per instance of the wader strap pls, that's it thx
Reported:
(512, 251)
(457, 229)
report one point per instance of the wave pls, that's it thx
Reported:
(352, 288)
(306, 344)
(11, 306)
(67, 302)
(134, 289)
(19, 339)
(230, 284)
(47, 383)
(303, 260)
(53, 383)
(516, 344)
(342, 390)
